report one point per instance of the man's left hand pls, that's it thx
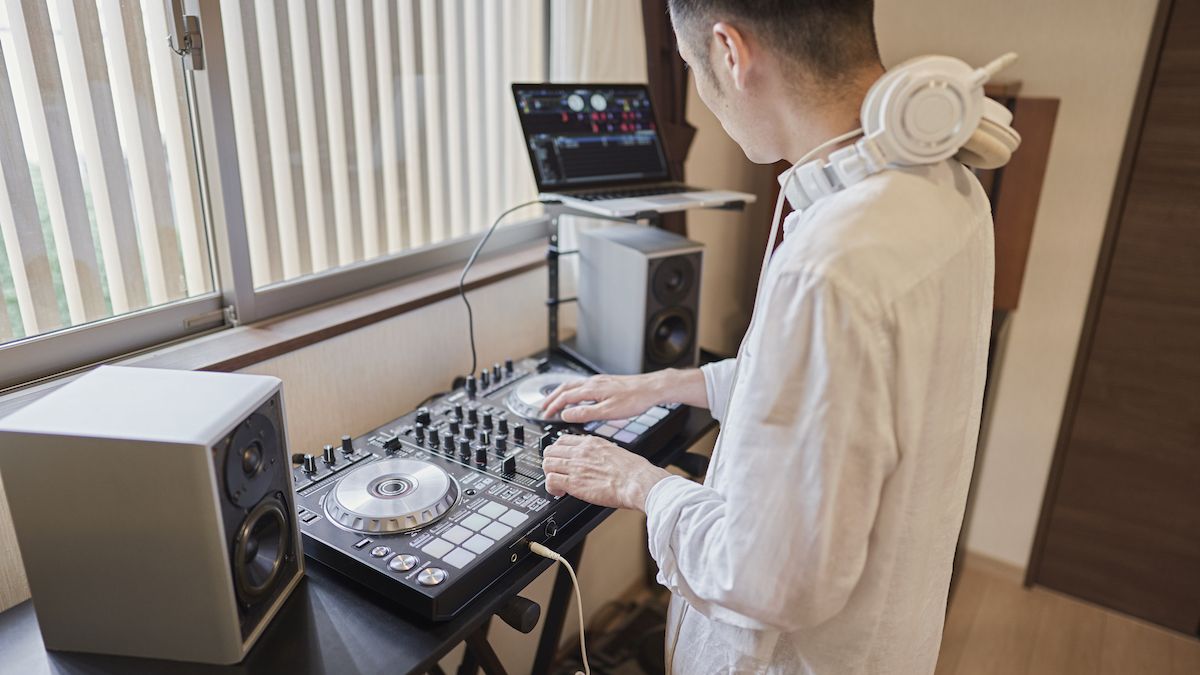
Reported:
(597, 471)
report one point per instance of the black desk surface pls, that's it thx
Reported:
(329, 625)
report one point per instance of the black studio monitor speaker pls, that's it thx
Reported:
(154, 511)
(639, 299)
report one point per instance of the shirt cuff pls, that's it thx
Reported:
(717, 380)
(663, 504)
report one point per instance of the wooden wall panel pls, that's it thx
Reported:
(1015, 196)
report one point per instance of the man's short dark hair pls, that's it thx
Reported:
(829, 38)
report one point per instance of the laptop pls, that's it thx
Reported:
(596, 148)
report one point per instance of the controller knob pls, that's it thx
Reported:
(434, 439)
(469, 431)
(448, 443)
(455, 427)
(471, 386)
(518, 434)
(419, 432)
(310, 464)
(510, 466)
(481, 457)
(423, 416)
(347, 445)
(464, 450)
(487, 420)
(458, 411)
(329, 455)
(484, 438)
(473, 416)
(502, 425)
(501, 445)
(508, 366)
(485, 378)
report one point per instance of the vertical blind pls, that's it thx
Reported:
(99, 200)
(369, 127)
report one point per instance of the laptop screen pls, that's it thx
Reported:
(581, 136)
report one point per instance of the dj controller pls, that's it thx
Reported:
(433, 507)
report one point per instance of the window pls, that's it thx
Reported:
(308, 150)
(99, 201)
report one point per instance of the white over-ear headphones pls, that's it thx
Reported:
(922, 111)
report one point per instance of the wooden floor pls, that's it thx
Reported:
(997, 626)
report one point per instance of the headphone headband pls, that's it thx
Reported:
(922, 111)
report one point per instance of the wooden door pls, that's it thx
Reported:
(1121, 521)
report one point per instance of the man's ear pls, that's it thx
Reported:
(732, 54)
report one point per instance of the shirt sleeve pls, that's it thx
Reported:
(717, 377)
(779, 540)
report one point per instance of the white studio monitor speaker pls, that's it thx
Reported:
(639, 299)
(154, 512)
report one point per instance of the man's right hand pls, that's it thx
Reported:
(613, 397)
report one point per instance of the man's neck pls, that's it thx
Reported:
(826, 116)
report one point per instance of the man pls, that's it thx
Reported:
(822, 538)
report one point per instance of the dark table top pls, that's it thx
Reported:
(330, 625)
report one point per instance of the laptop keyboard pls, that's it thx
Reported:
(633, 192)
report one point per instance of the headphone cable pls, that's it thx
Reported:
(462, 279)
(546, 552)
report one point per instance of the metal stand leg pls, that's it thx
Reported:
(552, 253)
(478, 645)
(479, 654)
(470, 662)
(556, 614)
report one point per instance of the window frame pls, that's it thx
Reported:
(29, 360)
(235, 300)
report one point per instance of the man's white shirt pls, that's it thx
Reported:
(822, 538)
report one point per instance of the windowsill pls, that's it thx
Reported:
(236, 348)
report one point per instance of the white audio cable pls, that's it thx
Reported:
(547, 553)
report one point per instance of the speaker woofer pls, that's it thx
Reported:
(669, 336)
(673, 280)
(260, 550)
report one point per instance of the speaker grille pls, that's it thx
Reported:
(673, 280)
(257, 511)
(251, 459)
(669, 336)
(261, 549)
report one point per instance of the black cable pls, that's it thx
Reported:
(462, 290)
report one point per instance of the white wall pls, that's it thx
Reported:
(733, 240)
(1088, 53)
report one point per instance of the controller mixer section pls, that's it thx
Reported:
(433, 507)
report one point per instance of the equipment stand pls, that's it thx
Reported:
(555, 212)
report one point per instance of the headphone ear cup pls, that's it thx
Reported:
(871, 115)
(984, 151)
(922, 111)
(994, 141)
